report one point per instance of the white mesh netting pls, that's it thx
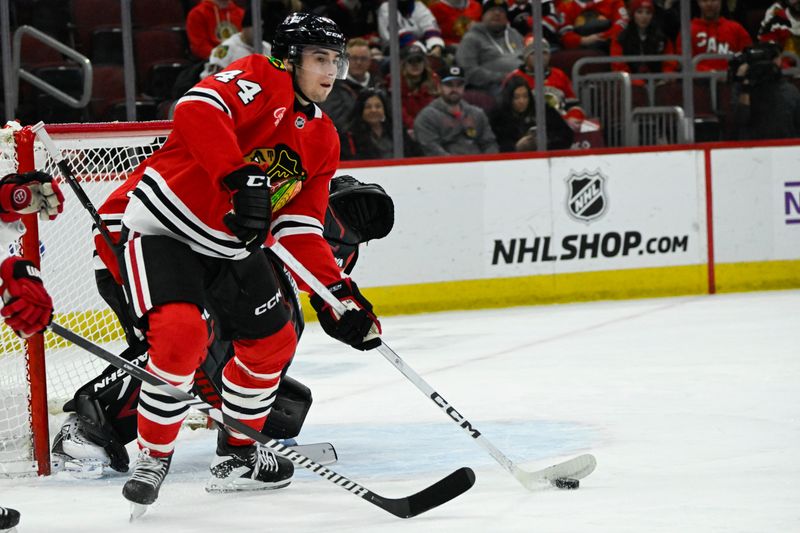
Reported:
(100, 160)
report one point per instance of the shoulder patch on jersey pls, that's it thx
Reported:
(277, 63)
(220, 51)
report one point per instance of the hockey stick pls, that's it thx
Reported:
(576, 468)
(435, 495)
(66, 170)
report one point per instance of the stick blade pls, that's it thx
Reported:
(444, 490)
(575, 468)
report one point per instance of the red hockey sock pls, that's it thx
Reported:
(250, 380)
(177, 336)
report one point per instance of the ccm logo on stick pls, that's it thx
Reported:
(455, 415)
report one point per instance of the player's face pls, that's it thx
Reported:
(710, 9)
(642, 17)
(317, 71)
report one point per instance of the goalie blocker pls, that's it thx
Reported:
(103, 411)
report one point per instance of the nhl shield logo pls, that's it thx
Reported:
(586, 199)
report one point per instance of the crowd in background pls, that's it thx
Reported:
(467, 67)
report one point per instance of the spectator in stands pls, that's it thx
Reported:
(490, 49)
(591, 23)
(369, 132)
(558, 87)
(419, 84)
(235, 47)
(714, 34)
(781, 25)
(455, 17)
(641, 38)
(668, 17)
(356, 18)
(515, 116)
(416, 24)
(342, 99)
(514, 121)
(766, 105)
(520, 16)
(451, 126)
(210, 22)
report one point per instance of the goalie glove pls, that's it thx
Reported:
(28, 307)
(30, 192)
(358, 327)
(252, 208)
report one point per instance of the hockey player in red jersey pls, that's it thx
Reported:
(102, 416)
(250, 154)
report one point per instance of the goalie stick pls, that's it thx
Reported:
(435, 495)
(576, 468)
(444, 490)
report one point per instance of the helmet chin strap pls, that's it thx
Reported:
(297, 90)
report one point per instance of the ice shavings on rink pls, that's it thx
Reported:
(691, 405)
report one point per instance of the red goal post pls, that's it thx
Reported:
(39, 375)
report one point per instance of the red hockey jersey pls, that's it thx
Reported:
(721, 36)
(246, 113)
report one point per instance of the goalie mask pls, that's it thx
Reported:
(357, 212)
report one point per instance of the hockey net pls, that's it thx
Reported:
(39, 375)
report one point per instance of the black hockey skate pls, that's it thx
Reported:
(8, 518)
(250, 467)
(148, 475)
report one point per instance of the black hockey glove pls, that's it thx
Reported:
(358, 327)
(252, 208)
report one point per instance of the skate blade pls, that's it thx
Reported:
(243, 485)
(137, 510)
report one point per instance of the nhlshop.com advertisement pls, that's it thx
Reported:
(604, 213)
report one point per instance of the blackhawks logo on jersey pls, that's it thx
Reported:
(277, 63)
(284, 169)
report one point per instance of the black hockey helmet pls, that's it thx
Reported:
(304, 29)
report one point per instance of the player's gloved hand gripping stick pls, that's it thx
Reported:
(571, 470)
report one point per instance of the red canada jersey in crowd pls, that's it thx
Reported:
(721, 36)
(244, 114)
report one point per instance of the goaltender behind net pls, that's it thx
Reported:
(28, 308)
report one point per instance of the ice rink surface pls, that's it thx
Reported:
(691, 405)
